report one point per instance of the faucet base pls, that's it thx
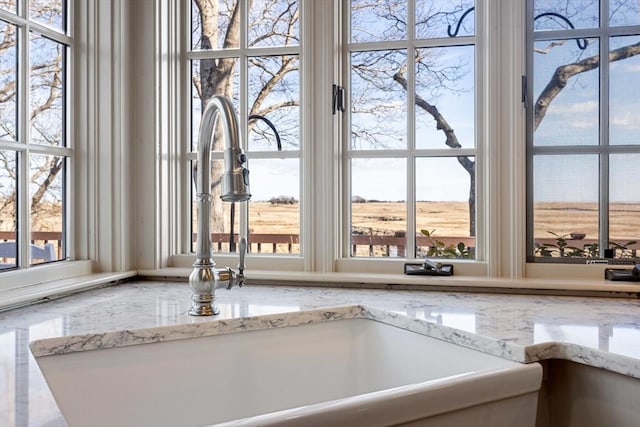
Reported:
(202, 281)
(202, 305)
(204, 310)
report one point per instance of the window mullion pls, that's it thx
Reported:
(185, 132)
(410, 241)
(603, 179)
(23, 218)
(243, 69)
(345, 140)
(243, 208)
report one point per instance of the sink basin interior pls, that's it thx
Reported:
(219, 378)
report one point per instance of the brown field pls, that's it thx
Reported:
(379, 218)
(448, 219)
(624, 222)
(452, 218)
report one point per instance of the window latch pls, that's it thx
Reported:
(525, 96)
(338, 99)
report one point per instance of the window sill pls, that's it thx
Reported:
(401, 281)
(35, 285)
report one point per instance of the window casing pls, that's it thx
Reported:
(342, 245)
(35, 144)
(330, 183)
(100, 101)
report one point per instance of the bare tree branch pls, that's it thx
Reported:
(52, 168)
(54, 93)
(288, 65)
(563, 73)
(451, 141)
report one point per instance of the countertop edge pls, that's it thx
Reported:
(504, 348)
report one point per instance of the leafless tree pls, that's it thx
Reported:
(385, 72)
(272, 22)
(381, 70)
(217, 24)
(45, 119)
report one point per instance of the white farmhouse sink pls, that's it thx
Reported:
(342, 372)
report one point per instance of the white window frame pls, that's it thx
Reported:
(259, 261)
(501, 166)
(23, 147)
(603, 33)
(322, 251)
(411, 154)
(98, 237)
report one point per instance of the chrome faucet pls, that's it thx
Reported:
(205, 278)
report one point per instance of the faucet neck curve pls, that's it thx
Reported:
(217, 105)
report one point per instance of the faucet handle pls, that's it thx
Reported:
(242, 251)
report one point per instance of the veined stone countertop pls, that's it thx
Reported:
(600, 332)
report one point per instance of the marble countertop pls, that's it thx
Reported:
(600, 332)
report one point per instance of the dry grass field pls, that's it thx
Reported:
(448, 219)
(624, 222)
(379, 218)
(382, 218)
(452, 218)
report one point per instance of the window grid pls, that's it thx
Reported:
(28, 151)
(411, 154)
(243, 54)
(603, 150)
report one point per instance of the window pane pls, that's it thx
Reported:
(566, 109)
(274, 23)
(624, 205)
(210, 23)
(561, 15)
(274, 212)
(565, 205)
(47, 207)
(274, 209)
(445, 207)
(196, 26)
(623, 12)
(8, 81)
(274, 93)
(8, 209)
(445, 99)
(209, 78)
(378, 208)
(624, 91)
(46, 91)
(378, 102)
(49, 12)
(10, 5)
(441, 18)
(373, 20)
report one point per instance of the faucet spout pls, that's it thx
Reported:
(205, 278)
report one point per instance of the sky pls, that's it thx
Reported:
(572, 119)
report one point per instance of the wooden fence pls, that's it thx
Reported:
(39, 238)
(285, 243)
(289, 243)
